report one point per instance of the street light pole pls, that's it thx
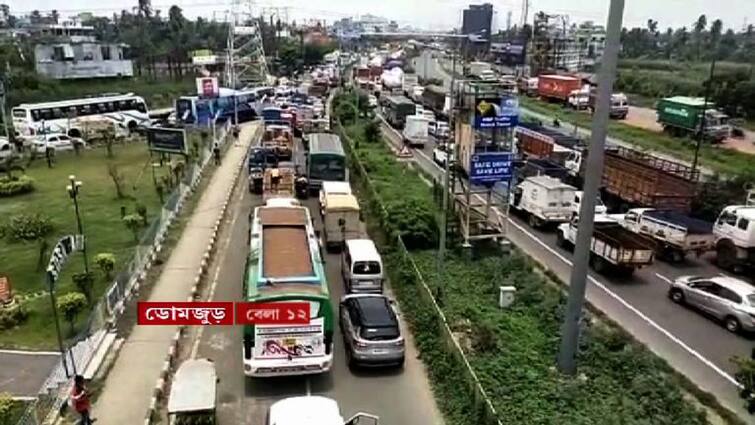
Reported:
(51, 287)
(567, 362)
(702, 119)
(73, 192)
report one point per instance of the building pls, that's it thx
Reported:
(71, 51)
(557, 45)
(478, 20)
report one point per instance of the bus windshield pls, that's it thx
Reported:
(327, 167)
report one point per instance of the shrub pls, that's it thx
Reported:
(70, 306)
(12, 316)
(7, 404)
(106, 262)
(134, 223)
(16, 186)
(414, 221)
(84, 282)
(372, 132)
(27, 227)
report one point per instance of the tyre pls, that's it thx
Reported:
(676, 256)
(533, 221)
(732, 324)
(599, 265)
(726, 255)
(560, 239)
(676, 296)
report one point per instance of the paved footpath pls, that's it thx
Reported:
(129, 385)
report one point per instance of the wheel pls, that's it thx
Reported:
(74, 132)
(676, 256)
(676, 296)
(726, 255)
(560, 239)
(599, 265)
(533, 221)
(732, 324)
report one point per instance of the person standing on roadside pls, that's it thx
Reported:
(80, 400)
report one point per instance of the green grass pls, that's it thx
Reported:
(159, 93)
(723, 161)
(513, 351)
(100, 216)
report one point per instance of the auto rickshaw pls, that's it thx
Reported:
(193, 394)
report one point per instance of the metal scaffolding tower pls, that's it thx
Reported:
(246, 61)
(482, 211)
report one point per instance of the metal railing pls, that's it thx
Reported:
(110, 307)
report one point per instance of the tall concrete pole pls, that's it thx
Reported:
(567, 362)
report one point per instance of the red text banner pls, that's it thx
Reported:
(185, 313)
(293, 313)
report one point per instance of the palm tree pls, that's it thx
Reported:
(699, 28)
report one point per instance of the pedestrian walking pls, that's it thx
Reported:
(80, 400)
(216, 153)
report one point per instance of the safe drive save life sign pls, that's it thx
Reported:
(489, 168)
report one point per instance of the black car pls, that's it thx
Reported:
(371, 332)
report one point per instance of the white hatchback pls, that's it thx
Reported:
(56, 142)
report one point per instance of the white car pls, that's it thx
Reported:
(313, 410)
(57, 142)
(441, 153)
(600, 207)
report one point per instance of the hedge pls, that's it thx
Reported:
(15, 186)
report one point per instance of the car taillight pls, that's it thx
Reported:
(360, 344)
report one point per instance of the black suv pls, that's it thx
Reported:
(371, 331)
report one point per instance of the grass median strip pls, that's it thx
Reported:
(511, 350)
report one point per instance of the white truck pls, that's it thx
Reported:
(612, 247)
(735, 237)
(410, 81)
(313, 410)
(675, 234)
(543, 199)
(416, 131)
(478, 69)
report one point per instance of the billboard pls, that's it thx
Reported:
(500, 112)
(488, 168)
(170, 140)
(208, 87)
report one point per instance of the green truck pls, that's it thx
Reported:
(680, 116)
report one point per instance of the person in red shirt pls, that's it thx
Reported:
(80, 400)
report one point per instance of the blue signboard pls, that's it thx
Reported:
(497, 113)
(490, 167)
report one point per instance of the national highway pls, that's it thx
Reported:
(397, 396)
(695, 345)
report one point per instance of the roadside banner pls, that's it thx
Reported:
(500, 112)
(170, 140)
(489, 168)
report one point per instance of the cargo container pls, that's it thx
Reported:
(680, 116)
(536, 141)
(397, 109)
(557, 87)
(635, 178)
(539, 167)
(435, 98)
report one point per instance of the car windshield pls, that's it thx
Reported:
(366, 267)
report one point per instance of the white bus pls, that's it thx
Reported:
(73, 117)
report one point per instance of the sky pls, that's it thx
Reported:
(432, 14)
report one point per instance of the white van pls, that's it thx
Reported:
(341, 219)
(332, 188)
(361, 267)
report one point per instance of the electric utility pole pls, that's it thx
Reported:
(594, 170)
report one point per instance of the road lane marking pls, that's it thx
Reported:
(634, 310)
(214, 285)
(663, 278)
(30, 353)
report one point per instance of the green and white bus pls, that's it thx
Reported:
(285, 265)
(326, 160)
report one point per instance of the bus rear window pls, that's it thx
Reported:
(366, 267)
(19, 113)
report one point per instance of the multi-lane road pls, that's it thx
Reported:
(695, 345)
(399, 397)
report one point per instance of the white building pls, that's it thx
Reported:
(71, 51)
